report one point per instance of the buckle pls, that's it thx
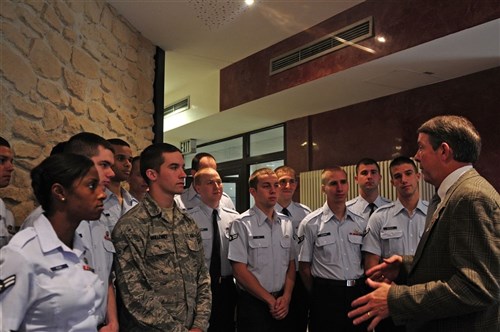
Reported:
(351, 283)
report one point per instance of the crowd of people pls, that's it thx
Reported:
(95, 256)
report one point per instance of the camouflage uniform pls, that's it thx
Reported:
(162, 281)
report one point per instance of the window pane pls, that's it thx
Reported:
(226, 150)
(267, 142)
(270, 164)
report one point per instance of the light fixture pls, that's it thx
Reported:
(381, 39)
(249, 2)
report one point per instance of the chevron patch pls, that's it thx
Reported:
(7, 282)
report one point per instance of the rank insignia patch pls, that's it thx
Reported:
(7, 282)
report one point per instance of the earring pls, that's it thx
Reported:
(63, 199)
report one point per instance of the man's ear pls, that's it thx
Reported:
(445, 151)
(152, 174)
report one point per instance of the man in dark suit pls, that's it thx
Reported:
(452, 282)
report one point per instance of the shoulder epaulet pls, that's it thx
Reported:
(313, 215)
(386, 206)
(386, 199)
(23, 237)
(351, 202)
(247, 214)
(193, 210)
(302, 206)
(228, 210)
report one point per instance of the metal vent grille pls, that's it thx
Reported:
(339, 39)
(177, 107)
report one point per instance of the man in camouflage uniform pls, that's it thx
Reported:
(162, 280)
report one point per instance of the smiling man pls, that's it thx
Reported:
(162, 280)
(261, 252)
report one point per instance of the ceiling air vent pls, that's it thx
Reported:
(177, 107)
(336, 40)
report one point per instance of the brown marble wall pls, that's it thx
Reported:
(407, 24)
(378, 127)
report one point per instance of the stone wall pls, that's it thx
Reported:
(67, 67)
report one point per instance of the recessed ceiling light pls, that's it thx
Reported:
(381, 39)
(249, 2)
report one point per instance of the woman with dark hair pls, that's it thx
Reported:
(47, 282)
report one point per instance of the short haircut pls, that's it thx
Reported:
(195, 163)
(62, 168)
(253, 181)
(201, 172)
(401, 160)
(367, 161)
(152, 157)
(4, 142)
(282, 170)
(58, 148)
(331, 169)
(87, 144)
(118, 141)
(458, 132)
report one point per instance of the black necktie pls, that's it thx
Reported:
(215, 263)
(285, 212)
(372, 207)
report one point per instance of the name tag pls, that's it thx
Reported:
(59, 267)
(324, 234)
(390, 228)
(203, 229)
(158, 236)
(258, 237)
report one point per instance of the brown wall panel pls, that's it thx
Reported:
(376, 128)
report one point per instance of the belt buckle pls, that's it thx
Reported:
(350, 283)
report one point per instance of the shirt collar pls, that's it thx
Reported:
(451, 179)
(49, 241)
(261, 217)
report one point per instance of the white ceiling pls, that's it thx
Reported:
(202, 36)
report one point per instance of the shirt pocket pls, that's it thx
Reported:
(206, 238)
(193, 242)
(325, 248)
(258, 249)
(392, 241)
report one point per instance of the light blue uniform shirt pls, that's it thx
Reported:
(47, 286)
(113, 210)
(7, 224)
(392, 231)
(190, 199)
(97, 237)
(360, 207)
(333, 247)
(297, 213)
(202, 215)
(266, 247)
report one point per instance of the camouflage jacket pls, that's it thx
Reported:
(162, 281)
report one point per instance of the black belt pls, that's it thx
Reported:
(274, 294)
(340, 283)
(225, 279)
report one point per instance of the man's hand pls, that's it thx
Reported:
(371, 306)
(387, 271)
(280, 310)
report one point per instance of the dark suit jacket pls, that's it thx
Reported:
(453, 279)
